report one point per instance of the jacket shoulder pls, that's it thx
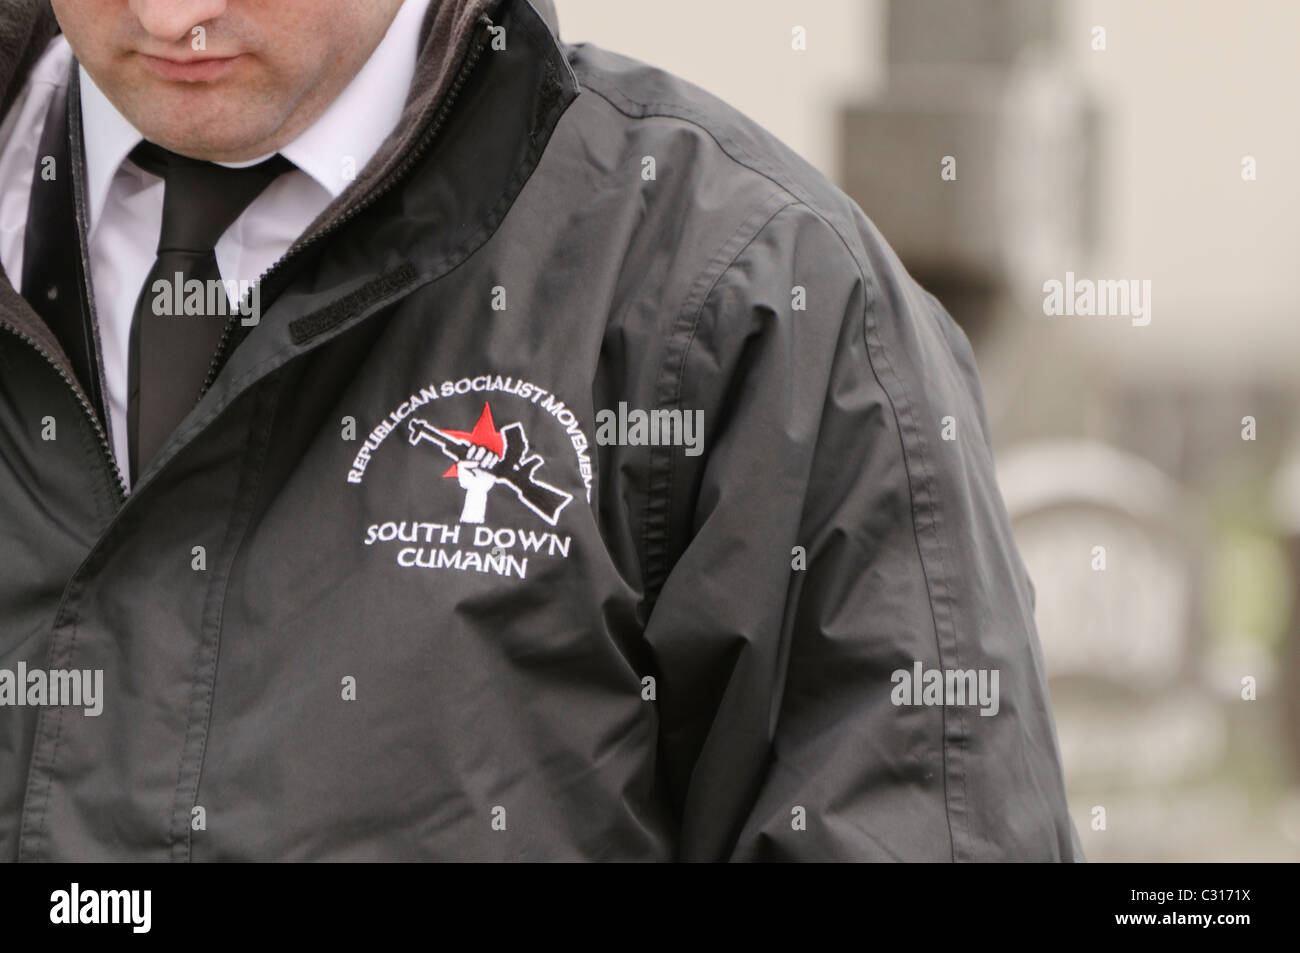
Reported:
(741, 167)
(742, 155)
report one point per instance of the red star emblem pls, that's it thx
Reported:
(484, 434)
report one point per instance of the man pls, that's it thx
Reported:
(584, 478)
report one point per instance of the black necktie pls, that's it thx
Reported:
(171, 349)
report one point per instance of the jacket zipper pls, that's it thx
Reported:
(479, 43)
(107, 456)
(106, 451)
(83, 230)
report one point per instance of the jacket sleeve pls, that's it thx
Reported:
(841, 529)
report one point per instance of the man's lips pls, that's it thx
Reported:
(197, 70)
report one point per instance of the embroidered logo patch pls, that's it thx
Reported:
(487, 461)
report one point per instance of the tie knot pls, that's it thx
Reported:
(203, 199)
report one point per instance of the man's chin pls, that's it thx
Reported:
(222, 120)
(203, 126)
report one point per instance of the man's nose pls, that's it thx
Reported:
(172, 20)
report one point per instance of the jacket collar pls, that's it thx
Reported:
(447, 32)
(26, 27)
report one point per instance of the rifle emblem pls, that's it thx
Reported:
(484, 457)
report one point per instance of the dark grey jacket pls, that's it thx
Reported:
(314, 647)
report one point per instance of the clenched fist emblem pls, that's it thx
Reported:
(475, 477)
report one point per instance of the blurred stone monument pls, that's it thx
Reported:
(978, 159)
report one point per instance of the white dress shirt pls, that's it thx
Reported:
(125, 203)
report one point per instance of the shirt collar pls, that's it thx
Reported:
(332, 150)
(108, 138)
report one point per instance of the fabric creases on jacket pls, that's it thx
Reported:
(412, 581)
